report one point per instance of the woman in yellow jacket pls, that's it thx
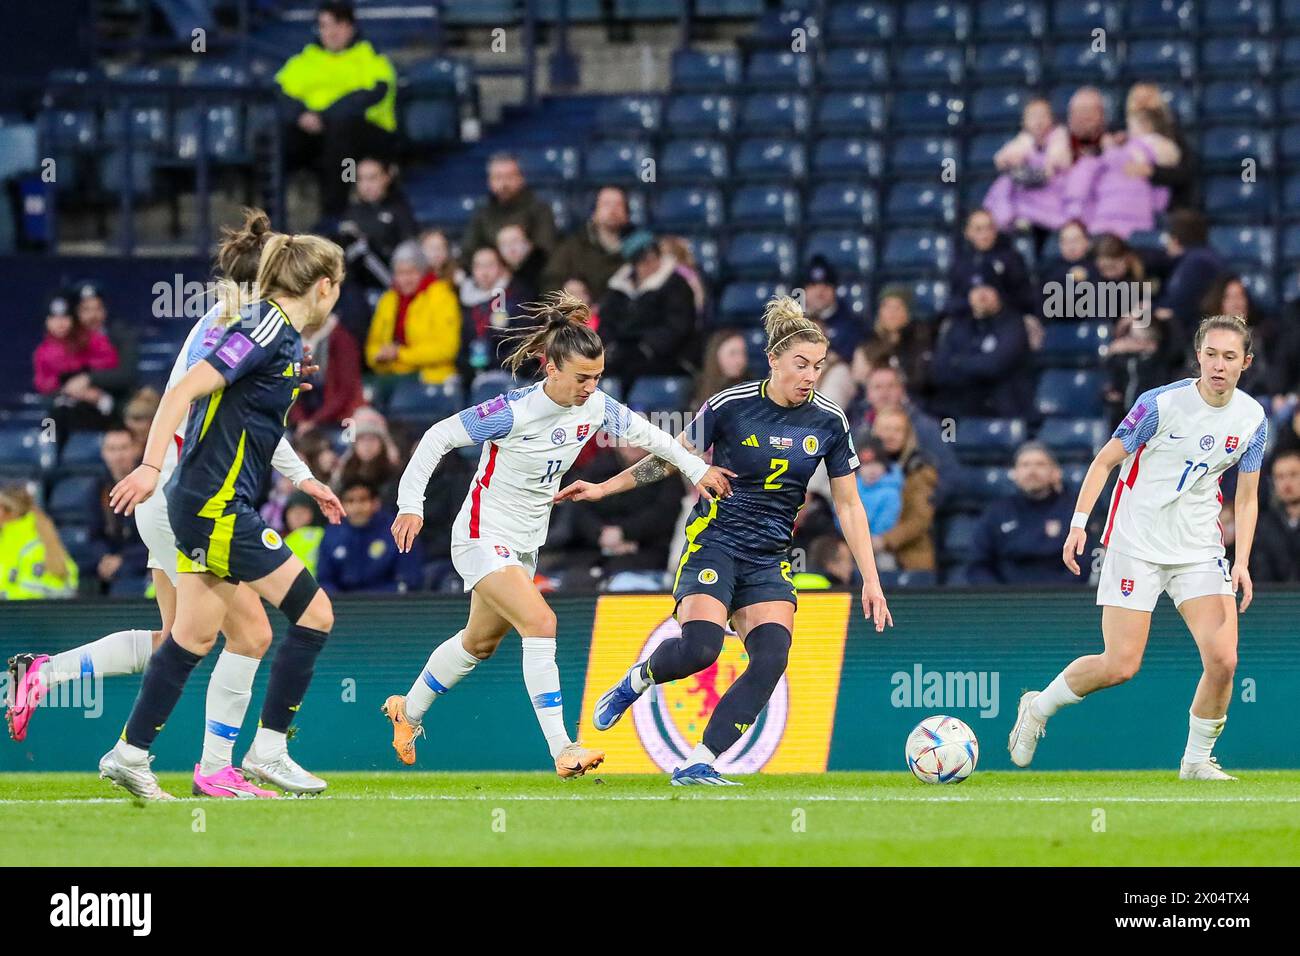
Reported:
(416, 325)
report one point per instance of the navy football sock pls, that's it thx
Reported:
(678, 657)
(291, 671)
(164, 679)
(768, 646)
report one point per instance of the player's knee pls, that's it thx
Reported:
(1221, 664)
(703, 643)
(306, 604)
(319, 614)
(481, 646)
(539, 623)
(1119, 670)
(768, 646)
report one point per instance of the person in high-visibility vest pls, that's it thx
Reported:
(338, 100)
(33, 562)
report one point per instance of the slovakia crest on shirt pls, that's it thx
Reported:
(583, 431)
(1231, 442)
(502, 550)
(1126, 586)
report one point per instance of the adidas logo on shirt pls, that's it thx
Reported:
(751, 441)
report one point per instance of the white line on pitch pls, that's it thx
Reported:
(647, 798)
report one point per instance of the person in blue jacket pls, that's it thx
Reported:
(359, 556)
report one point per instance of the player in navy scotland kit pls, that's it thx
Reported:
(735, 565)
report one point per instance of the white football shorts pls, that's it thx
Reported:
(1136, 584)
(476, 559)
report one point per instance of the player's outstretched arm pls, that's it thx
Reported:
(1111, 454)
(1246, 515)
(857, 534)
(441, 438)
(286, 461)
(199, 382)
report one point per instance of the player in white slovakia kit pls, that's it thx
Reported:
(248, 632)
(530, 437)
(1163, 534)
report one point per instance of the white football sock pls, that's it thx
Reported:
(1055, 695)
(542, 678)
(230, 688)
(639, 683)
(268, 744)
(701, 754)
(122, 652)
(131, 754)
(448, 663)
(1202, 732)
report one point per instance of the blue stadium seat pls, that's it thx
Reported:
(659, 393)
(490, 384)
(958, 543)
(115, 172)
(930, 63)
(446, 211)
(770, 159)
(756, 350)
(71, 129)
(761, 255)
(853, 113)
(612, 162)
(440, 74)
(428, 121)
(843, 204)
(22, 452)
(1228, 198)
(72, 499)
(417, 404)
(852, 156)
(696, 70)
(693, 160)
(1259, 286)
(928, 295)
(708, 255)
(856, 298)
(542, 165)
(926, 20)
(1072, 474)
(1180, 98)
(981, 149)
(1253, 16)
(1289, 142)
(624, 116)
(224, 139)
(1072, 20)
(910, 579)
(81, 452)
(1289, 57)
(909, 251)
(988, 439)
(859, 22)
(849, 252)
(1237, 101)
(1007, 62)
(855, 68)
(1000, 107)
(1244, 246)
(76, 538)
(778, 69)
(1224, 147)
(922, 155)
(699, 114)
(1289, 96)
(998, 18)
(921, 204)
(686, 208)
(148, 127)
(774, 114)
(742, 304)
(1235, 58)
(1290, 203)
(984, 483)
(1167, 58)
(1074, 439)
(1077, 62)
(930, 109)
(1068, 392)
(1160, 17)
(775, 27)
(1073, 344)
(764, 207)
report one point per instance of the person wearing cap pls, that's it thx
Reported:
(67, 352)
(647, 318)
(981, 357)
(842, 327)
(416, 325)
(1019, 538)
(991, 255)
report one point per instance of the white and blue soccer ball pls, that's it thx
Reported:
(942, 749)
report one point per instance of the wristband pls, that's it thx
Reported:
(1079, 520)
(154, 467)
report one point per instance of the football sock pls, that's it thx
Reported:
(542, 678)
(447, 665)
(164, 679)
(637, 677)
(678, 657)
(701, 754)
(1055, 695)
(230, 688)
(122, 652)
(1202, 732)
(768, 646)
(268, 744)
(291, 671)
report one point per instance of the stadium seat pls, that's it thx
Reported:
(983, 483)
(448, 212)
(76, 538)
(1260, 288)
(72, 499)
(1240, 101)
(622, 163)
(437, 75)
(1289, 98)
(1235, 58)
(764, 207)
(843, 204)
(910, 579)
(1291, 239)
(1219, 16)
(958, 541)
(922, 155)
(910, 251)
(1000, 107)
(22, 452)
(742, 304)
(1073, 344)
(852, 113)
(627, 116)
(1244, 246)
(71, 129)
(686, 208)
(981, 149)
(1289, 55)
(764, 159)
(1067, 392)
(708, 255)
(148, 127)
(996, 19)
(115, 173)
(774, 114)
(698, 71)
(1072, 20)
(417, 404)
(1160, 17)
(659, 393)
(926, 20)
(921, 204)
(855, 68)
(693, 160)
(542, 165)
(1224, 147)
(931, 109)
(1149, 239)
(1074, 439)
(930, 63)
(761, 255)
(699, 114)
(849, 252)
(1167, 58)
(1007, 62)
(1075, 62)
(1228, 198)
(81, 452)
(778, 69)
(928, 295)
(1288, 142)
(861, 22)
(853, 156)
(224, 139)
(988, 439)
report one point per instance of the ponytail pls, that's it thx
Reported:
(560, 330)
(238, 257)
(785, 323)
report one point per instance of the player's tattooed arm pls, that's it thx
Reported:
(651, 469)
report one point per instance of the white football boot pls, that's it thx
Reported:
(137, 779)
(1209, 770)
(283, 772)
(1028, 728)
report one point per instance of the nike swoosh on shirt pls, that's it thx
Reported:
(1173, 437)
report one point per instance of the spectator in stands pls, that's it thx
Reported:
(437, 253)
(726, 363)
(1071, 269)
(830, 565)
(1229, 296)
(880, 486)
(67, 352)
(679, 248)
(33, 562)
(337, 102)
(524, 260)
(115, 545)
(490, 301)
(360, 556)
(1027, 194)
(815, 520)
(1182, 178)
(911, 539)
(1188, 269)
(981, 357)
(1276, 553)
(1083, 134)
(844, 329)
(335, 389)
(886, 390)
(377, 220)
(317, 450)
(373, 458)
(648, 314)
(114, 384)
(277, 501)
(416, 327)
(896, 340)
(577, 288)
(594, 252)
(303, 529)
(1019, 539)
(990, 254)
(509, 201)
(139, 412)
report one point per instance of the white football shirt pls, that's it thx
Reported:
(1166, 503)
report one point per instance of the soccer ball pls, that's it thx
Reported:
(942, 749)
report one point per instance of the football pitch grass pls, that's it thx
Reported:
(1134, 818)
